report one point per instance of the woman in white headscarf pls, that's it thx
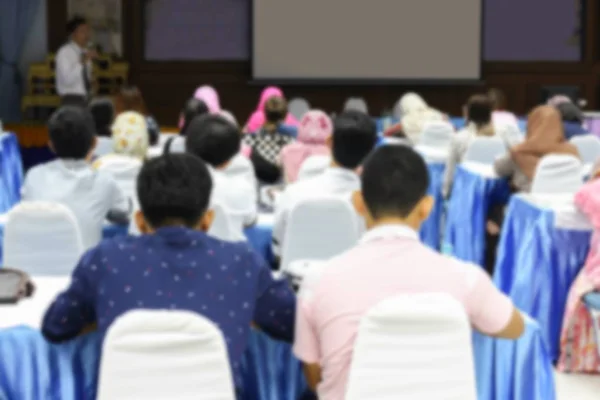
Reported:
(414, 113)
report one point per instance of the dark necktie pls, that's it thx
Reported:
(86, 79)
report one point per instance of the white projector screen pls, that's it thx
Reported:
(367, 39)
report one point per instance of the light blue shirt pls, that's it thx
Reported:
(89, 194)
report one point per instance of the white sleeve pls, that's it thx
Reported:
(252, 213)
(68, 66)
(281, 214)
(118, 200)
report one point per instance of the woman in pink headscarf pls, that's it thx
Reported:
(210, 97)
(578, 342)
(313, 131)
(257, 119)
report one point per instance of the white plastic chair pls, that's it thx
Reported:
(434, 141)
(241, 166)
(104, 146)
(588, 147)
(42, 238)
(318, 229)
(415, 347)
(298, 106)
(313, 166)
(227, 225)
(125, 171)
(485, 150)
(357, 104)
(152, 354)
(557, 173)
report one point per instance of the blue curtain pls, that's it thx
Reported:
(16, 17)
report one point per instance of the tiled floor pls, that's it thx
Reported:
(577, 387)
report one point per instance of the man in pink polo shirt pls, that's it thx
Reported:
(389, 260)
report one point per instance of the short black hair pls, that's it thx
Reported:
(75, 23)
(103, 112)
(275, 109)
(174, 189)
(72, 132)
(479, 110)
(212, 138)
(354, 136)
(394, 180)
(193, 108)
(569, 112)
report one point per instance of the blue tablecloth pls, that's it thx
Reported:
(11, 172)
(32, 369)
(536, 264)
(472, 195)
(431, 228)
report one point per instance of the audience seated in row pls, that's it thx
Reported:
(354, 137)
(130, 98)
(389, 260)
(259, 116)
(175, 265)
(415, 113)
(70, 180)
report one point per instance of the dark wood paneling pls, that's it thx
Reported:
(167, 85)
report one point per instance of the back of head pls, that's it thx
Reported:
(275, 110)
(354, 136)
(130, 98)
(78, 30)
(130, 135)
(570, 112)
(497, 99)
(174, 189)
(193, 108)
(479, 110)
(213, 138)
(103, 112)
(394, 180)
(72, 133)
(544, 124)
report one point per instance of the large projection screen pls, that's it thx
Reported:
(367, 39)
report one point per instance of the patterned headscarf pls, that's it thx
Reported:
(130, 135)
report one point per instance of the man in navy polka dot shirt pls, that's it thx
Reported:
(175, 265)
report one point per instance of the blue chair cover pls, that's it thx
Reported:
(472, 195)
(11, 172)
(537, 263)
(459, 123)
(32, 369)
(514, 370)
(431, 230)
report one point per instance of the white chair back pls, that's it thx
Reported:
(177, 145)
(42, 238)
(434, 141)
(298, 106)
(356, 104)
(224, 227)
(104, 146)
(485, 150)
(125, 171)
(241, 166)
(318, 229)
(415, 347)
(313, 166)
(152, 354)
(557, 173)
(588, 147)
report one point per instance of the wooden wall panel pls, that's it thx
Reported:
(167, 85)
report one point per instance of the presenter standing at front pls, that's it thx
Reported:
(74, 64)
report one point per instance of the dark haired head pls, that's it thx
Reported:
(174, 189)
(275, 110)
(193, 108)
(394, 183)
(479, 110)
(79, 31)
(497, 99)
(103, 112)
(570, 112)
(72, 133)
(354, 136)
(213, 138)
(129, 98)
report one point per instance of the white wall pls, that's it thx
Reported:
(36, 43)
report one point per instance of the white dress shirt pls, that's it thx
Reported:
(332, 182)
(235, 194)
(69, 70)
(88, 193)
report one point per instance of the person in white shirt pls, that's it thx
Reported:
(70, 180)
(74, 64)
(217, 141)
(354, 137)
